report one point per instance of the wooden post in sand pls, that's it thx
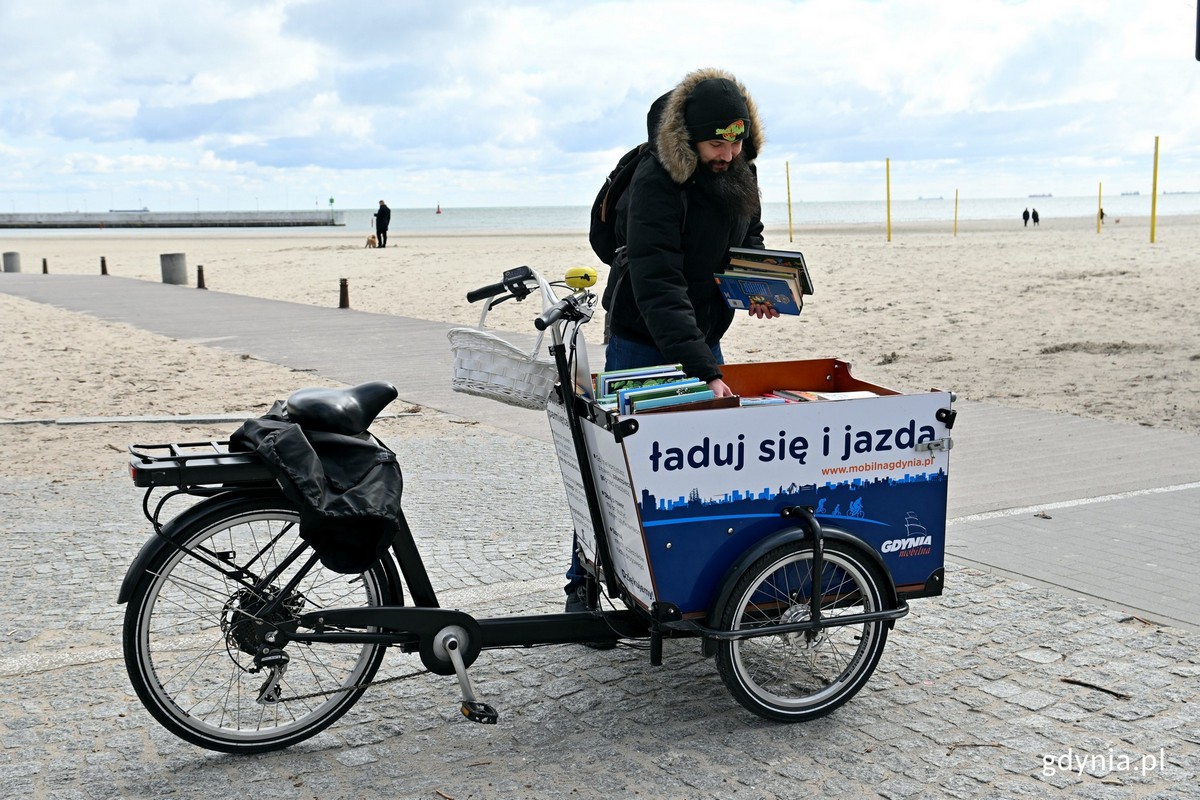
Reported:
(1154, 185)
(956, 212)
(1100, 208)
(787, 171)
(344, 293)
(888, 173)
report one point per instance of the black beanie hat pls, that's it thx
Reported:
(716, 110)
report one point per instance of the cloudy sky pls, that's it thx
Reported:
(244, 104)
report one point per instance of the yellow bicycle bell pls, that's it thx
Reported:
(581, 277)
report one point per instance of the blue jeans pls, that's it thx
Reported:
(627, 354)
(622, 354)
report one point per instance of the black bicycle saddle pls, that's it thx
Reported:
(345, 411)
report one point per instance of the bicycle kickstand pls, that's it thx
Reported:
(447, 645)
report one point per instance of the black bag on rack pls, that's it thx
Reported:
(347, 487)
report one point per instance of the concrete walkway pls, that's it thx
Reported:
(998, 689)
(1101, 510)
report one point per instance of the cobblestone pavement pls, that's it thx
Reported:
(998, 689)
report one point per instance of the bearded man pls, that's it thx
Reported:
(696, 197)
(684, 208)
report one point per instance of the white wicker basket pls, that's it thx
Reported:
(487, 366)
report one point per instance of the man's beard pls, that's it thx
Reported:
(735, 190)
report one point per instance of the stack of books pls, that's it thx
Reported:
(775, 278)
(610, 382)
(646, 389)
(676, 393)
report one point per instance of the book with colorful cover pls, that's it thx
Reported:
(625, 397)
(789, 277)
(610, 381)
(794, 395)
(765, 400)
(728, 401)
(741, 290)
(679, 401)
(785, 261)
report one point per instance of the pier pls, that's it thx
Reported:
(175, 219)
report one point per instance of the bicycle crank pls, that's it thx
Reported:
(447, 645)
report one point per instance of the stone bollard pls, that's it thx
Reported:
(344, 293)
(12, 262)
(174, 268)
(200, 277)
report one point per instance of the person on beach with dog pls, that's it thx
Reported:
(695, 197)
(383, 218)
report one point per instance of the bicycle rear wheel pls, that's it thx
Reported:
(797, 677)
(190, 631)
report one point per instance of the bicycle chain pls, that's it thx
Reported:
(355, 687)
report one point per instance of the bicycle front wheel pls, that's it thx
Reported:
(192, 629)
(795, 677)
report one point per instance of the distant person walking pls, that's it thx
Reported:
(1024, 216)
(383, 218)
(1035, 218)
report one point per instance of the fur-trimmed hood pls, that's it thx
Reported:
(672, 142)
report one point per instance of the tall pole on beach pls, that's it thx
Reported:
(1100, 207)
(888, 173)
(1154, 189)
(787, 171)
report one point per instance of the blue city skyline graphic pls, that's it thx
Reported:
(850, 499)
(692, 538)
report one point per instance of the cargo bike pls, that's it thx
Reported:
(785, 539)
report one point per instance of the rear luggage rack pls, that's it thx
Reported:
(181, 464)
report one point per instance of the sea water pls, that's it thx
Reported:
(574, 219)
(571, 219)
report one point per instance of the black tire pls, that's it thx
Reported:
(188, 631)
(795, 677)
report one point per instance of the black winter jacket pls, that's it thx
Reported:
(667, 296)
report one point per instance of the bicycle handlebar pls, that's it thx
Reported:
(514, 281)
(517, 283)
(484, 292)
(552, 314)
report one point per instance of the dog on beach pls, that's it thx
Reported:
(372, 241)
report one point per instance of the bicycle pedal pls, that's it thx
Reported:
(479, 712)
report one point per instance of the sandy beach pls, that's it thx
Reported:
(1057, 318)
